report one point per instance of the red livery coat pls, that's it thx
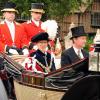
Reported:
(31, 29)
(20, 39)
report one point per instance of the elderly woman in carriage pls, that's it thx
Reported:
(40, 60)
(44, 49)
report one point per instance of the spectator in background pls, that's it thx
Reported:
(33, 26)
(12, 37)
(76, 52)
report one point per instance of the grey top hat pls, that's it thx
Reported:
(9, 6)
(37, 7)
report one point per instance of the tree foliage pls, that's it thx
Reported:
(52, 7)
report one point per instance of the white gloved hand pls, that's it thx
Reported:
(35, 47)
(25, 51)
(13, 51)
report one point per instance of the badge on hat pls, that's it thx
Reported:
(37, 7)
(9, 6)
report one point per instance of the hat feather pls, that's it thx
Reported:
(50, 26)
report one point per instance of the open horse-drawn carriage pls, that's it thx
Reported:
(55, 85)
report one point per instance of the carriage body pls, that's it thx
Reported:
(29, 85)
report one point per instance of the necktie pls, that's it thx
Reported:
(79, 54)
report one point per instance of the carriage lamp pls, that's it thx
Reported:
(94, 56)
(97, 50)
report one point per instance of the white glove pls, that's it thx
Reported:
(13, 51)
(35, 47)
(25, 52)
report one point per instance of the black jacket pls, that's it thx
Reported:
(69, 56)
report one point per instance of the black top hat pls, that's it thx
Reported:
(37, 7)
(40, 36)
(9, 6)
(77, 32)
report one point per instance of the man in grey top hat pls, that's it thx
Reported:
(33, 26)
(12, 37)
(76, 52)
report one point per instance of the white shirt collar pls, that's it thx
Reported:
(36, 22)
(76, 51)
(11, 27)
(8, 22)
